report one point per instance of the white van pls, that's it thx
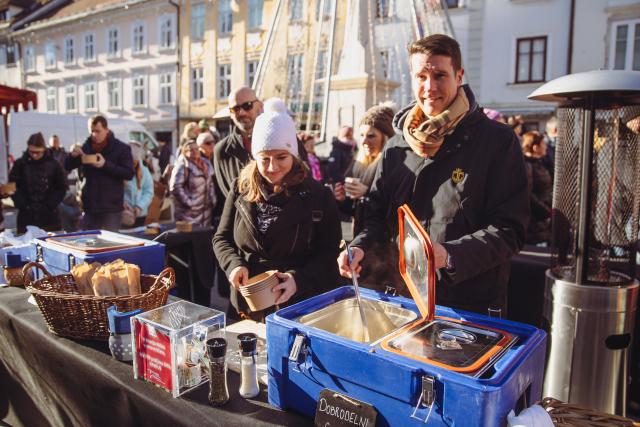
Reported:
(70, 128)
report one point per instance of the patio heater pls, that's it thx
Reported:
(590, 290)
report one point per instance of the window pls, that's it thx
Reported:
(166, 88)
(382, 8)
(30, 58)
(384, 63)
(328, 4)
(197, 83)
(197, 21)
(295, 10)
(139, 90)
(294, 74)
(255, 13)
(50, 60)
(89, 47)
(224, 80)
(626, 45)
(70, 97)
(252, 68)
(453, 4)
(51, 99)
(139, 44)
(166, 32)
(113, 44)
(113, 89)
(69, 57)
(225, 17)
(531, 59)
(12, 56)
(90, 96)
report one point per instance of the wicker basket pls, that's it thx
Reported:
(570, 415)
(72, 315)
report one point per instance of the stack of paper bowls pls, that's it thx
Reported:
(257, 291)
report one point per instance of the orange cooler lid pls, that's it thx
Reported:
(417, 262)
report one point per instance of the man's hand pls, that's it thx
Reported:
(343, 262)
(441, 255)
(137, 212)
(239, 277)
(76, 150)
(100, 162)
(287, 284)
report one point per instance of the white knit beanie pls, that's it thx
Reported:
(204, 137)
(274, 129)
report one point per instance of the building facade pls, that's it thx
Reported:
(115, 58)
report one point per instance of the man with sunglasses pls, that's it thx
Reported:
(232, 153)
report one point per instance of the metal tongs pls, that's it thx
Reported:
(354, 279)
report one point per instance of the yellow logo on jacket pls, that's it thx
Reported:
(457, 176)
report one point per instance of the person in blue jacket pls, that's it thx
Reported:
(138, 192)
(104, 175)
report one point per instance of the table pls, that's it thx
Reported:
(50, 380)
(526, 285)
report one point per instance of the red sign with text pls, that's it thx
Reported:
(153, 355)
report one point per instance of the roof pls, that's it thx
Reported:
(82, 6)
(12, 97)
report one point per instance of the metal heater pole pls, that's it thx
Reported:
(586, 178)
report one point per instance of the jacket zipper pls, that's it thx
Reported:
(295, 239)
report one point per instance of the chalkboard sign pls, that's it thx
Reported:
(335, 409)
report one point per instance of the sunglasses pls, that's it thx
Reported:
(246, 106)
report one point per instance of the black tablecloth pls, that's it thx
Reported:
(49, 380)
(526, 285)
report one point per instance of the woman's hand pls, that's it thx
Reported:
(338, 192)
(287, 284)
(239, 277)
(356, 190)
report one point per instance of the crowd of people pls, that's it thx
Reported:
(466, 173)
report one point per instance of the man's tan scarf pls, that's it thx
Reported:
(426, 134)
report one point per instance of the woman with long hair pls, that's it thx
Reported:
(278, 218)
(375, 130)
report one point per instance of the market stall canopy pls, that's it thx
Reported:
(612, 84)
(12, 97)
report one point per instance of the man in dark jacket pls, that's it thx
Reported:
(234, 152)
(40, 186)
(341, 156)
(106, 163)
(463, 176)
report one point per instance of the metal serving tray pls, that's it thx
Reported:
(343, 319)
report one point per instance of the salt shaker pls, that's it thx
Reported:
(248, 369)
(218, 390)
(120, 333)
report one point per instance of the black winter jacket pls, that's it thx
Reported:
(103, 191)
(541, 187)
(340, 160)
(303, 241)
(40, 188)
(230, 156)
(471, 197)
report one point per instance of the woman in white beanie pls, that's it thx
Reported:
(278, 218)
(138, 192)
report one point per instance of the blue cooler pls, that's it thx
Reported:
(61, 252)
(415, 363)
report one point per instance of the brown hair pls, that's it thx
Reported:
(529, 140)
(98, 119)
(438, 44)
(36, 140)
(185, 147)
(250, 179)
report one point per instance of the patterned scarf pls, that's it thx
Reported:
(425, 134)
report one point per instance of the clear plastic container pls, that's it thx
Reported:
(170, 345)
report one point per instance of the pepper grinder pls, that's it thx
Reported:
(248, 369)
(218, 390)
(120, 333)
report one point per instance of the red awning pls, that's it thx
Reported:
(12, 97)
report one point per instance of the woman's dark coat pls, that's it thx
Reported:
(304, 240)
